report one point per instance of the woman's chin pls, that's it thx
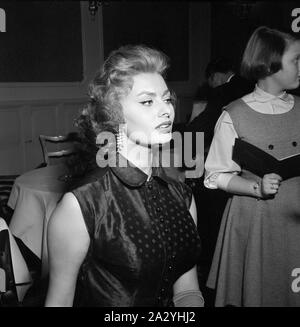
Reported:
(154, 140)
(161, 139)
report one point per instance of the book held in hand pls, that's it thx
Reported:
(259, 162)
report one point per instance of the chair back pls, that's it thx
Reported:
(60, 151)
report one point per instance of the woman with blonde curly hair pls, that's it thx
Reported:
(125, 235)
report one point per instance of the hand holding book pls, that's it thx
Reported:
(269, 185)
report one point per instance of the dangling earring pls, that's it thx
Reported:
(120, 139)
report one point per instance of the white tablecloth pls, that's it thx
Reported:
(34, 196)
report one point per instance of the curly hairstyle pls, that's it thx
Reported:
(104, 112)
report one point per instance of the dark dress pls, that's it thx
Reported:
(142, 237)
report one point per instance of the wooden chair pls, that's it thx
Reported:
(59, 152)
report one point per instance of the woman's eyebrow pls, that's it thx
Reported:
(167, 91)
(153, 93)
(146, 93)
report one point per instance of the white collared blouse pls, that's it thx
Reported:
(219, 167)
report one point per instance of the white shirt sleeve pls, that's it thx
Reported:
(219, 166)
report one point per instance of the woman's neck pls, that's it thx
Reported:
(141, 156)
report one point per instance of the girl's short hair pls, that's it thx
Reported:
(103, 112)
(263, 54)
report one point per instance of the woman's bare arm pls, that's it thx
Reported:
(68, 243)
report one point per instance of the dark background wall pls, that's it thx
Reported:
(163, 25)
(232, 23)
(42, 42)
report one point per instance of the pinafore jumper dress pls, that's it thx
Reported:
(257, 256)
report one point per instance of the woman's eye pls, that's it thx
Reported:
(147, 102)
(168, 100)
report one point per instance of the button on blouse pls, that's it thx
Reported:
(138, 245)
(219, 161)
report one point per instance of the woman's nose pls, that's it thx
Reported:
(164, 109)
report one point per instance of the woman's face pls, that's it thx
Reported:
(288, 77)
(148, 110)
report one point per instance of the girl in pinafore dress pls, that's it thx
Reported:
(257, 256)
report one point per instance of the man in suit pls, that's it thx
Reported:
(226, 86)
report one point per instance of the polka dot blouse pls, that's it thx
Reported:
(142, 237)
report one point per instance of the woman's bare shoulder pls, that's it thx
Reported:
(67, 223)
